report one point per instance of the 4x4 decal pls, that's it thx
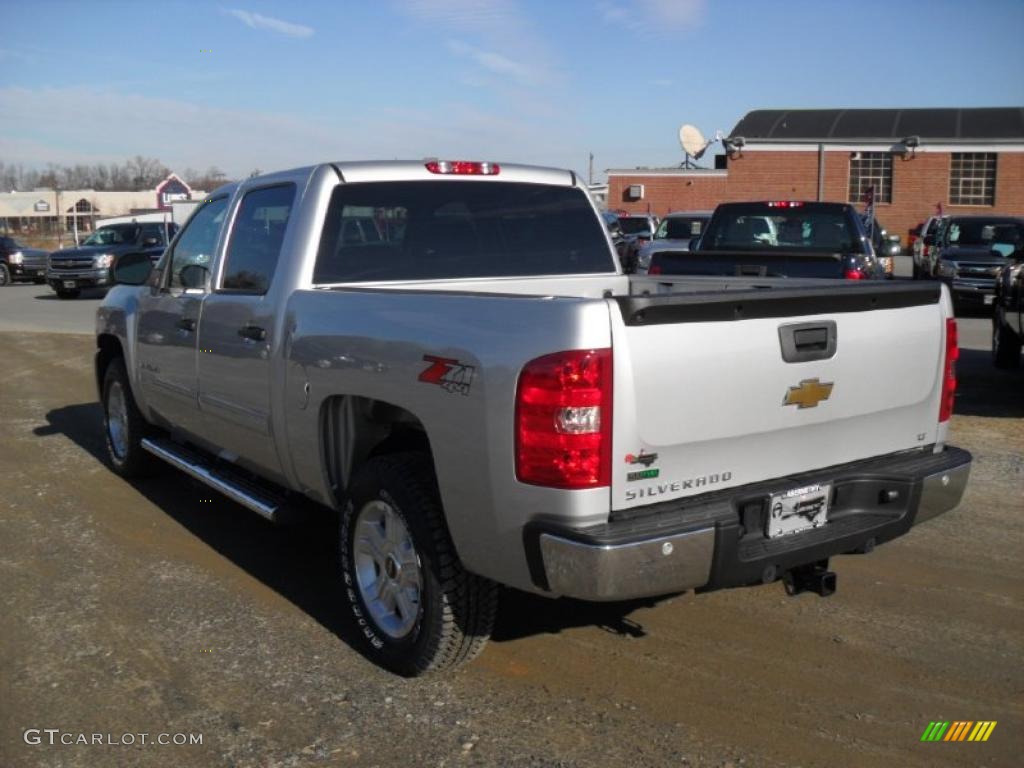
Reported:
(449, 374)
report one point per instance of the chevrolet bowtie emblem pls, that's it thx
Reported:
(808, 394)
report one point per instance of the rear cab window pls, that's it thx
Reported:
(438, 230)
(791, 227)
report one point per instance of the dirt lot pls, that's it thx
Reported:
(158, 607)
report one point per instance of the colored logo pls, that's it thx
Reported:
(959, 730)
(451, 375)
(808, 394)
(643, 458)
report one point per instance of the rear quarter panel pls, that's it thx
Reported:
(372, 343)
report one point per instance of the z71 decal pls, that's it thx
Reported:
(450, 375)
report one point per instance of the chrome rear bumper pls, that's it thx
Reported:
(709, 544)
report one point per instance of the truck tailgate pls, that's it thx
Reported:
(705, 397)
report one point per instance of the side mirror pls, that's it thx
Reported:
(194, 276)
(132, 269)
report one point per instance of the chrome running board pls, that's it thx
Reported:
(235, 488)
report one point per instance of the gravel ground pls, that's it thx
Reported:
(159, 607)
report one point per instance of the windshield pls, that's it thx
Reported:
(635, 225)
(115, 234)
(681, 227)
(437, 230)
(984, 233)
(759, 227)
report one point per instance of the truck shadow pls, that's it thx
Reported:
(984, 390)
(300, 561)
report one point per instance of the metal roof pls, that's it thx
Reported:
(980, 124)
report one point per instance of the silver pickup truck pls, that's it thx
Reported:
(449, 355)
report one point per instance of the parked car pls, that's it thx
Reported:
(89, 264)
(676, 232)
(487, 399)
(787, 238)
(922, 245)
(614, 227)
(885, 246)
(21, 263)
(638, 229)
(972, 251)
(1008, 314)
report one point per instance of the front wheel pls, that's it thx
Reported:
(418, 609)
(5, 275)
(123, 424)
(1006, 345)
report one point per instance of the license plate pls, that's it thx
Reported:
(69, 283)
(798, 510)
(41, 272)
(989, 298)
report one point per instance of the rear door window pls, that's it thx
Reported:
(436, 230)
(256, 238)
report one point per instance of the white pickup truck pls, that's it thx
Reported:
(449, 354)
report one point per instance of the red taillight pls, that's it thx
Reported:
(655, 269)
(949, 371)
(785, 204)
(564, 420)
(854, 274)
(463, 168)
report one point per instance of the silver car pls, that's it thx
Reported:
(675, 233)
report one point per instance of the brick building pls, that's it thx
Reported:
(968, 160)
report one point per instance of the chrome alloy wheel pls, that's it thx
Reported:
(117, 420)
(387, 569)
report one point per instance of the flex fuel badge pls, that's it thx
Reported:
(645, 460)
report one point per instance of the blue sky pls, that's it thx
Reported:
(249, 84)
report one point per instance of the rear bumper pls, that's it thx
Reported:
(717, 540)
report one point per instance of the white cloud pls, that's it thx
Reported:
(506, 43)
(258, 21)
(677, 14)
(497, 64)
(89, 125)
(654, 15)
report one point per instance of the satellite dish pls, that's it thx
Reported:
(692, 141)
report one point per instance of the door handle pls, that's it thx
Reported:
(186, 324)
(804, 342)
(252, 332)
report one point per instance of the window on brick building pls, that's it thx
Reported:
(871, 169)
(972, 178)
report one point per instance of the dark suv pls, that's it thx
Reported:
(787, 238)
(90, 264)
(971, 252)
(18, 262)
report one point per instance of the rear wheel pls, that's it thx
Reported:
(418, 609)
(1006, 345)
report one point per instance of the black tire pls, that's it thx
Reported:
(68, 293)
(5, 275)
(1006, 345)
(130, 460)
(455, 610)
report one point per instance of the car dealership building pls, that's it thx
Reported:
(968, 161)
